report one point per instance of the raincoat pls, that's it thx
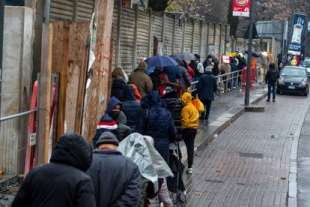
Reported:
(189, 113)
(142, 152)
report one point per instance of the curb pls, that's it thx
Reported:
(218, 126)
(292, 195)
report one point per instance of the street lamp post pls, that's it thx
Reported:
(248, 72)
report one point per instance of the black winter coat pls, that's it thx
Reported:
(116, 180)
(157, 122)
(62, 183)
(272, 76)
(207, 86)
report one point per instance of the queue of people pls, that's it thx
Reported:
(79, 176)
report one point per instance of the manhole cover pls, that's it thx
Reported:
(251, 155)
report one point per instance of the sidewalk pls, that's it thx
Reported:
(225, 110)
(248, 164)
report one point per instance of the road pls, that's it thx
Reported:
(248, 164)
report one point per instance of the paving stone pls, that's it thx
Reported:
(260, 176)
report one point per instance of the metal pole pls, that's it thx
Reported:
(248, 72)
(1, 45)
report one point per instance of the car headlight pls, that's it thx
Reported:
(281, 81)
(303, 83)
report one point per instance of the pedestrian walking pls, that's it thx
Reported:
(119, 85)
(115, 178)
(157, 122)
(207, 86)
(63, 182)
(141, 80)
(190, 124)
(272, 77)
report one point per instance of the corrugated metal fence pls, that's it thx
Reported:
(138, 33)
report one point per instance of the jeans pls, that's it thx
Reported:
(272, 89)
(189, 135)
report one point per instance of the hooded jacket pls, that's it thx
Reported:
(132, 110)
(116, 179)
(207, 86)
(62, 182)
(189, 113)
(141, 80)
(157, 122)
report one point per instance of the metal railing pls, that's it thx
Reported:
(225, 83)
(13, 142)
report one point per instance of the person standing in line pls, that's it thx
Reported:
(63, 182)
(116, 178)
(272, 77)
(207, 86)
(141, 79)
(190, 123)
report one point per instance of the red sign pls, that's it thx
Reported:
(241, 8)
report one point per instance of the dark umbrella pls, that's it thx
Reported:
(159, 62)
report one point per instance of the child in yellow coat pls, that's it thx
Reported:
(190, 123)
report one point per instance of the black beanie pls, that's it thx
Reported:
(107, 138)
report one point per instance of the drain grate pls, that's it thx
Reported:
(251, 155)
(214, 181)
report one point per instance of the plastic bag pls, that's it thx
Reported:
(198, 104)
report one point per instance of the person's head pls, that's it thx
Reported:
(186, 98)
(72, 150)
(107, 141)
(114, 107)
(118, 73)
(142, 66)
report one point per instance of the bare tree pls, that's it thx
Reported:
(213, 10)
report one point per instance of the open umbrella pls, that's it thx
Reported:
(187, 56)
(159, 61)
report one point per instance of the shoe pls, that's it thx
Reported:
(268, 100)
(274, 100)
(190, 171)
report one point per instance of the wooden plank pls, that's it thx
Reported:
(60, 65)
(81, 58)
(98, 90)
(45, 88)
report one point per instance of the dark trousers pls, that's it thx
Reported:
(272, 89)
(207, 103)
(189, 135)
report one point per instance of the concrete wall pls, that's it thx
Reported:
(16, 85)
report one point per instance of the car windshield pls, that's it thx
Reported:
(293, 71)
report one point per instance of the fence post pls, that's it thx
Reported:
(220, 43)
(118, 32)
(193, 35)
(183, 35)
(150, 34)
(173, 34)
(207, 39)
(134, 56)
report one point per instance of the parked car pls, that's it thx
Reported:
(306, 64)
(293, 79)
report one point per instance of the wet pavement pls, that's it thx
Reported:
(303, 165)
(248, 164)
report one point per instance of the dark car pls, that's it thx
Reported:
(306, 64)
(293, 80)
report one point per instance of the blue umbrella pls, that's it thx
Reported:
(159, 62)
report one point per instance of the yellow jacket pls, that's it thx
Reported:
(189, 113)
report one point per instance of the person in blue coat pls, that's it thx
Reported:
(157, 122)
